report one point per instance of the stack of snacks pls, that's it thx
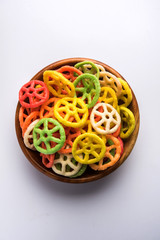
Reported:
(76, 117)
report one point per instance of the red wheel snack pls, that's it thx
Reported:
(46, 110)
(70, 137)
(71, 73)
(32, 117)
(121, 143)
(31, 96)
(109, 160)
(47, 159)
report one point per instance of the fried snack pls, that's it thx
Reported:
(108, 95)
(110, 119)
(58, 85)
(107, 79)
(28, 135)
(109, 159)
(88, 67)
(46, 110)
(29, 119)
(126, 94)
(87, 87)
(71, 112)
(53, 137)
(30, 96)
(66, 165)
(88, 148)
(71, 73)
(71, 135)
(128, 122)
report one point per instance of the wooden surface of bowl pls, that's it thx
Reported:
(89, 175)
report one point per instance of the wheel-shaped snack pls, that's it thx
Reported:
(71, 112)
(30, 96)
(110, 80)
(48, 132)
(28, 135)
(100, 67)
(87, 87)
(29, 119)
(66, 165)
(110, 119)
(127, 121)
(71, 73)
(47, 159)
(71, 135)
(109, 159)
(46, 110)
(88, 148)
(80, 172)
(58, 85)
(23, 114)
(88, 67)
(126, 94)
(108, 95)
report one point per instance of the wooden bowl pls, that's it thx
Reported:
(89, 175)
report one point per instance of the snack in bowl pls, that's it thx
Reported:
(77, 120)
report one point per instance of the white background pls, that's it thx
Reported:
(123, 34)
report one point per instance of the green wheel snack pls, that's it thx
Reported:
(80, 172)
(48, 136)
(87, 87)
(88, 67)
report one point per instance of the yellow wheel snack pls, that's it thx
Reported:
(127, 121)
(71, 112)
(58, 85)
(126, 95)
(108, 95)
(88, 148)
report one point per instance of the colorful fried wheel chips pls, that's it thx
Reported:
(71, 112)
(52, 137)
(111, 157)
(87, 87)
(71, 73)
(66, 165)
(88, 67)
(88, 148)
(58, 85)
(77, 116)
(31, 96)
(110, 119)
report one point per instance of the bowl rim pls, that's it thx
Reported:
(81, 179)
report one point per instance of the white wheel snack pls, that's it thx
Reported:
(109, 118)
(66, 165)
(107, 79)
(28, 136)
